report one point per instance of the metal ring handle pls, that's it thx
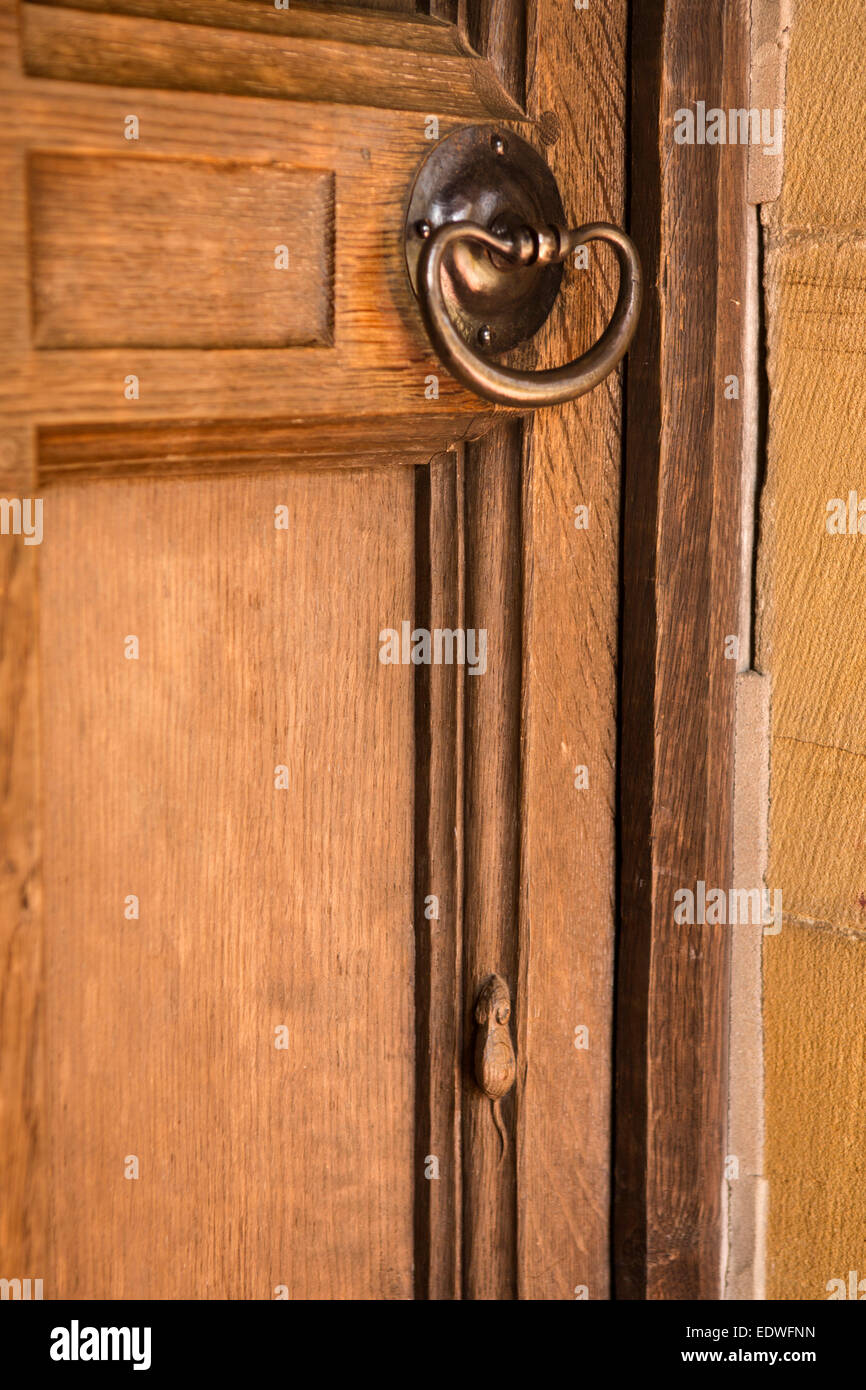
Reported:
(528, 246)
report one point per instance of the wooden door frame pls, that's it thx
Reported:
(682, 553)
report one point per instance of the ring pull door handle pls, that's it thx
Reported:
(529, 246)
(485, 241)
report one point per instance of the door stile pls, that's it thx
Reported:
(23, 1171)
(438, 885)
(491, 846)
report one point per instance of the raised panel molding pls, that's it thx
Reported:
(343, 64)
(112, 269)
(397, 24)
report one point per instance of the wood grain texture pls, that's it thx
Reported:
(246, 258)
(126, 50)
(681, 570)
(576, 69)
(162, 490)
(491, 847)
(497, 28)
(381, 360)
(258, 907)
(407, 5)
(24, 1183)
(229, 446)
(380, 25)
(452, 12)
(23, 1173)
(439, 745)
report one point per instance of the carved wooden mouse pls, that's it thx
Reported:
(495, 1063)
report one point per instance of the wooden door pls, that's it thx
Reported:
(253, 875)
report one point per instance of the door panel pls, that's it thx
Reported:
(259, 908)
(94, 219)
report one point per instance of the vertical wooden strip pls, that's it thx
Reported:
(681, 537)
(23, 1179)
(449, 10)
(731, 567)
(638, 639)
(576, 74)
(438, 892)
(491, 839)
(497, 29)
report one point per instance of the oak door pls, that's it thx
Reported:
(254, 874)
